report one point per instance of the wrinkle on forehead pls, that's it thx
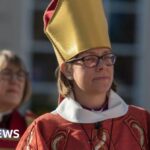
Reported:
(96, 51)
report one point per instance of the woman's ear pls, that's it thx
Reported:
(66, 69)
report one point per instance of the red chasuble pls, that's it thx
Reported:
(51, 132)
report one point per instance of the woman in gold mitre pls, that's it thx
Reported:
(90, 115)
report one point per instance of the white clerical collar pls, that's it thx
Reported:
(72, 111)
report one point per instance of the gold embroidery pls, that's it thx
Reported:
(29, 140)
(102, 141)
(55, 141)
(59, 139)
(137, 130)
(141, 133)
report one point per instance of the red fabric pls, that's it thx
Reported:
(49, 12)
(15, 121)
(51, 132)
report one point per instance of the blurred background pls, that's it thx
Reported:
(21, 30)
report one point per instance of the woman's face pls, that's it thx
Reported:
(12, 84)
(95, 80)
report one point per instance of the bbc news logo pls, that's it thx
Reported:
(4, 133)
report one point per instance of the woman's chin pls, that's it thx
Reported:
(100, 89)
(13, 101)
(9, 106)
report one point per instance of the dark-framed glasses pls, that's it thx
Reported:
(8, 74)
(91, 61)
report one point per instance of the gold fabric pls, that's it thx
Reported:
(77, 26)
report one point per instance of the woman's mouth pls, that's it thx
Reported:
(12, 91)
(101, 78)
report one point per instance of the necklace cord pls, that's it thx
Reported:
(97, 127)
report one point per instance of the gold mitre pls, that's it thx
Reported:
(74, 26)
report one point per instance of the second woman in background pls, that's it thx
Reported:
(15, 89)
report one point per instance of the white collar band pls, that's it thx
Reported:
(72, 111)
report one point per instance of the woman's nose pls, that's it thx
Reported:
(99, 64)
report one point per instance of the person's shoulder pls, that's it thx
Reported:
(46, 125)
(50, 119)
(48, 116)
(43, 127)
(139, 113)
(137, 109)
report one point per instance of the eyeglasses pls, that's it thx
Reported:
(8, 74)
(91, 61)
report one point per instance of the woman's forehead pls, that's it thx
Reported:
(11, 65)
(97, 51)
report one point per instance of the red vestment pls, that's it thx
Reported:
(51, 132)
(12, 121)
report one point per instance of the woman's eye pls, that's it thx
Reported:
(90, 59)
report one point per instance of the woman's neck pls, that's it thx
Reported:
(91, 101)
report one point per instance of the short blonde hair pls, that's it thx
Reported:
(7, 56)
(65, 86)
